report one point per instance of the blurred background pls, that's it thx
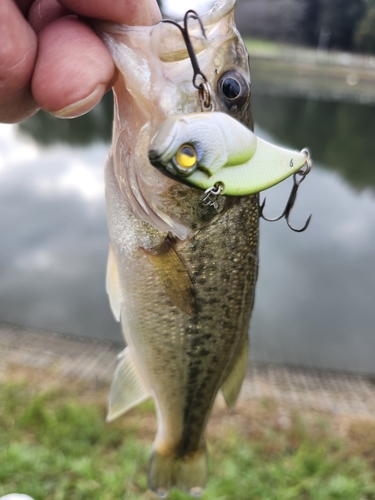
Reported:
(313, 84)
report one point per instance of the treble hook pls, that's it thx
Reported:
(189, 46)
(212, 194)
(292, 197)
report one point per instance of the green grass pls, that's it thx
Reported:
(55, 445)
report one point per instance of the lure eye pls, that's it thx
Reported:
(185, 159)
(233, 90)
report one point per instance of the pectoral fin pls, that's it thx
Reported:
(113, 284)
(232, 385)
(127, 389)
(174, 276)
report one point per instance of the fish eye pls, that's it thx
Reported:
(233, 90)
(185, 159)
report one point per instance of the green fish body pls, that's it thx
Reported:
(181, 275)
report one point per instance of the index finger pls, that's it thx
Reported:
(131, 12)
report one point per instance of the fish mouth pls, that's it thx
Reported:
(154, 156)
(157, 159)
(166, 169)
(162, 145)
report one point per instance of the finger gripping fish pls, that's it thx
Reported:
(181, 275)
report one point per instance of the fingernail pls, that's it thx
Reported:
(81, 107)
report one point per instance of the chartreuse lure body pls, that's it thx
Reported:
(209, 149)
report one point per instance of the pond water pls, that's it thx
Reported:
(314, 303)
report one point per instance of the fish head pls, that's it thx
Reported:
(222, 59)
(154, 83)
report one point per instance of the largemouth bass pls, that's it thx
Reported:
(181, 275)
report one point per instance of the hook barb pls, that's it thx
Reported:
(261, 214)
(298, 177)
(303, 228)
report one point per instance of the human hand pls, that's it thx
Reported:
(51, 59)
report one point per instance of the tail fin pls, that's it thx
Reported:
(189, 473)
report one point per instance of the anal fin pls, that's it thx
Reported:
(127, 388)
(232, 385)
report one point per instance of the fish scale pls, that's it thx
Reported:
(220, 324)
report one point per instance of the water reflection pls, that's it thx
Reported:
(54, 237)
(315, 292)
(314, 302)
(339, 134)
